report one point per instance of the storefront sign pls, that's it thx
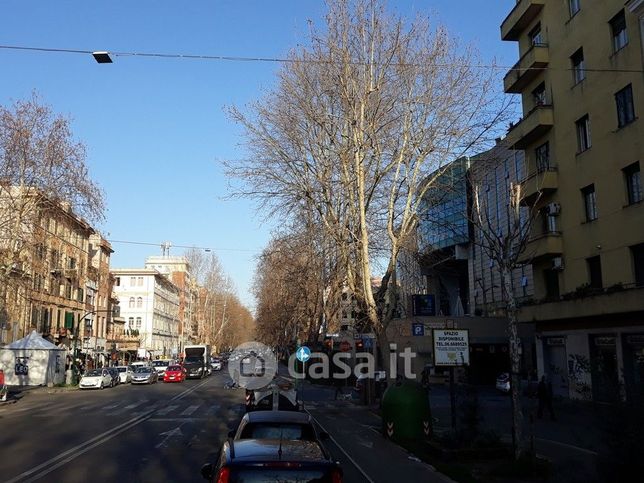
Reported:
(605, 341)
(451, 347)
(423, 305)
(555, 341)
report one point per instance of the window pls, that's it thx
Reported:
(583, 134)
(542, 157)
(139, 302)
(71, 263)
(551, 279)
(130, 322)
(138, 323)
(131, 303)
(594, 271)
(590, 202)
(637, 252)
(633, 183)
(132, 281)
(625, 107)
(574, 7)
(618, 29)
(140, 281)
(535, 35)
(578, 66)
(117, 281)
(539, 95)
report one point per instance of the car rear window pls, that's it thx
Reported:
(283, 475)
(174, 368)
(278, 431)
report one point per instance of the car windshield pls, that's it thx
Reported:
(143, 370)
(193, 359)
(122, 369)
(174, 368)
(160, 363)
(93, 373)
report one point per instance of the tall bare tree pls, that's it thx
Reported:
(357, 124)
(42, 167)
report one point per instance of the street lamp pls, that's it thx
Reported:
(102, 57)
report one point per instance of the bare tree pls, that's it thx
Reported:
(358, 128)
(42, 168)
(503, 233)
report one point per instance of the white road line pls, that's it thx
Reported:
(566, 445)
(362, 472)
(110, 406)
(77, 450)
(166, 410)
(175, 420)
(189, 410)
(132, 406)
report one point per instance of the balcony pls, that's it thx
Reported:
(620, 298)
(524, 12)
(532, 127)
(543, 246)
(527, 69)
(542, 182)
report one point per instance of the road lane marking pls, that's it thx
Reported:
(166, 410)
(132, 406)
(176, 432)
(175, 420)
(65, 457)
(566, 445)
(110, 406)
(78, 450)
(353, 462)
(212, 410)
(189, 410)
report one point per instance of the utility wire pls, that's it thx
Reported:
(130, 242)
(230, 58)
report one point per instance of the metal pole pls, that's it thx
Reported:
(452, 396)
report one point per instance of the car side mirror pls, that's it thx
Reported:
(323, 435)
(231, 434)
(207, 471)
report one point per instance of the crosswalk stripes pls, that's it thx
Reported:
(166, 410)
(189, 410)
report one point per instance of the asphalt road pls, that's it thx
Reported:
(148, 433)
(162, 432)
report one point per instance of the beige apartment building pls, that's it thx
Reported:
(582, 89)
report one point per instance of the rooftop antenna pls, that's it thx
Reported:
(165, 248)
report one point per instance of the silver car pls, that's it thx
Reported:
(125, 374)
(144, 375)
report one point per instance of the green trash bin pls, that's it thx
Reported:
(406, 414)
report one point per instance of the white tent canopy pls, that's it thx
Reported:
(33, 361)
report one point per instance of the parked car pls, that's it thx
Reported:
(125, 374)
(503, 382)
(273, 460)
(96, 379)
(174, 373)
(290, 425)
(216, 364)
(144, 375)
(114, 372)
(140, 364)
(160, 366)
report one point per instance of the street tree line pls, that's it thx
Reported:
(222, 321)
(361, 124)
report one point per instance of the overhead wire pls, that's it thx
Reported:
(235, 58)
(172, 245)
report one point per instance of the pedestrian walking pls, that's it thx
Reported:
(544, 394)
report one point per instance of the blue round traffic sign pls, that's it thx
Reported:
(303, 354)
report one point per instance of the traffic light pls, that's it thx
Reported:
(359, 345)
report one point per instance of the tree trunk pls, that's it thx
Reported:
(515, 363)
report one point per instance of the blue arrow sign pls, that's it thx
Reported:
(303, 354)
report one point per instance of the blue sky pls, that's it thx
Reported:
(155, 129)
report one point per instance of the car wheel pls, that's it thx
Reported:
(101, 385)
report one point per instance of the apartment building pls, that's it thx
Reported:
(177, 270)
(582, 90)
(57, 280)
(149, 304)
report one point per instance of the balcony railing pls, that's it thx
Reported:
(523, 13)
(546, 245)
(529, 66)
(543, 181)
(533, 126)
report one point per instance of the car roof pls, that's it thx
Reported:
(277, 417)
(247, 450)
